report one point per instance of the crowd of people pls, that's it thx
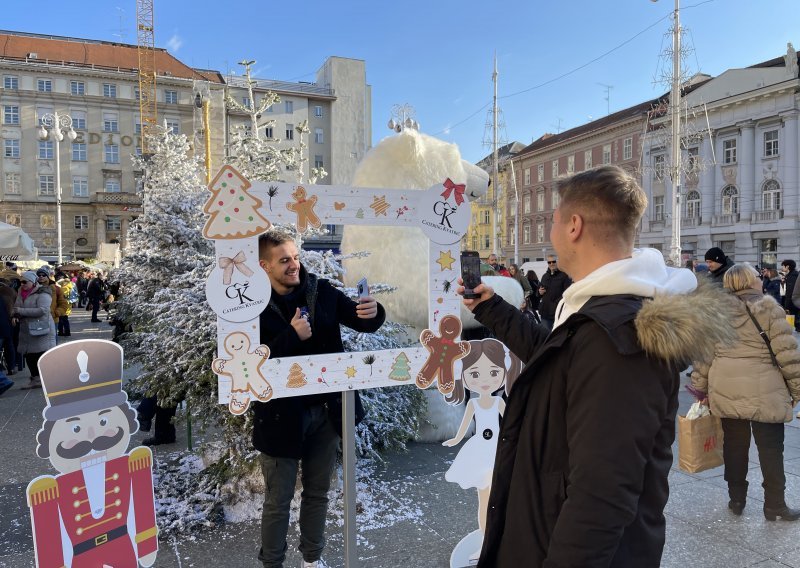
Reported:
(35, 306)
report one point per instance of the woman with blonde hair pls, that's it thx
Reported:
(753, 385)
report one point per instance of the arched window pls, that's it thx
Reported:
(693, 205)
(526, 234)
(730, 200)
(771, 191)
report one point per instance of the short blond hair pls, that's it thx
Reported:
(740, 276)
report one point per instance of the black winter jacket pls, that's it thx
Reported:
(717, 275)
(278, 425)
(791, 281)
(555, 285)
(584, 450)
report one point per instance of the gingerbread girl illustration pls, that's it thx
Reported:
(244, 369)
(304, 207)
(444, 352)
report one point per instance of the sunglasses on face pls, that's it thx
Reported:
(551, 262)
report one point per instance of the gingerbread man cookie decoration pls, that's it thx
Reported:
(244, 369)
(304, 207)
(444, 352)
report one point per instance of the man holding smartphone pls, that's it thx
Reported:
(302, 318)
(584, 451)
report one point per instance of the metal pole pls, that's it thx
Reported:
(675, 100)
(207, 132)
(516, 215)
(57, 135)
(349, 478)
(495, 188)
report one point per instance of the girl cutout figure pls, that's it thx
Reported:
(485, 370)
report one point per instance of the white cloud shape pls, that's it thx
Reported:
(174, 43)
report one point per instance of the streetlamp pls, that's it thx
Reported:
(57, 125)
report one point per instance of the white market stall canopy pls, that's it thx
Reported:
(15, 244)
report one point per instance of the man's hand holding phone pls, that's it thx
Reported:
(367, 305)
(482, 291)
(301, 325)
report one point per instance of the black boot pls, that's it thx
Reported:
(785, 513)
(737, 507)
(157, 441)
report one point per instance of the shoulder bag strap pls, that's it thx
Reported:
(763, 335)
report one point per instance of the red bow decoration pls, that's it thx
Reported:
(459, 188)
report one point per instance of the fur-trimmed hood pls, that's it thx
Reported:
(686, 327)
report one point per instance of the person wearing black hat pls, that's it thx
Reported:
(718, 264)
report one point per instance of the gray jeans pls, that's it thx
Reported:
(320, 443)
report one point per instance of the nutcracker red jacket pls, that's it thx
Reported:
(278, 425)
(584, 449)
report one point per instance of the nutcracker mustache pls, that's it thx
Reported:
(99, 444)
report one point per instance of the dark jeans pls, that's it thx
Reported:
(82, 299)
(63, 325)
(95, 307)
(735, 450)
(320, 443)
(32, 361)
(148, 409)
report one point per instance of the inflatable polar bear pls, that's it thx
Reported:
(399, 256)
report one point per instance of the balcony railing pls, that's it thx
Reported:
(689, 222)
(117, 198)
(725, 219)
(767, 216)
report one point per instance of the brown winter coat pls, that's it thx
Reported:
(742, 382)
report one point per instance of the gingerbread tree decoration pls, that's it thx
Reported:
(400, 368)
(296, 377)
(233, 211)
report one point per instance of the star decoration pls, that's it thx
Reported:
(379, 205)
(446, 260)
(350, 372)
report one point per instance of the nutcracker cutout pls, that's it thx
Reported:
(99, 510)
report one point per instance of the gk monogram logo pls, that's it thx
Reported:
(238, 291)
(445, 210)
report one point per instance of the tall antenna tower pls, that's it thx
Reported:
(145, 35)
(607, 97)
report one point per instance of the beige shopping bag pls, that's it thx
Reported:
(699, 443)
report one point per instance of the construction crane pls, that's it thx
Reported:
(147, 69)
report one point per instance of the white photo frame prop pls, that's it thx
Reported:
(238, 289)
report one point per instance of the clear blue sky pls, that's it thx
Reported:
(437, 54)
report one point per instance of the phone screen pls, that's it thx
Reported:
(363, 288)
(470, 272)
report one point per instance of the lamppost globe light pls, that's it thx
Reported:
(42, 132)
(71, 134)
(58, 134)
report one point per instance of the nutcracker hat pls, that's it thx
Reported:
(81, 376)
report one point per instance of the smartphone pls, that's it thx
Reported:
(470, 272)
(304, 313)
(363, 288)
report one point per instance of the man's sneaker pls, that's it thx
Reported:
(316, 564)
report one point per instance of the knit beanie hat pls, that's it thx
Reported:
(715, 254)
(30, 276)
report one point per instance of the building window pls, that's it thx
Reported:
(485, 217)
(11, 148)
(526, 204)
(526, 176)
(13, 184)
(78, 152)
(660, 166)
(44, 85)
(173, 126)
(607, 154)
(539, 232)
(10, 114)
(540, 173)
(113, 223)
(694, 159)
(137, 125)
(318, 137)
(587, 160)
(268, 132)
(110, 90)
(554, 169)
(318, 161)
(658, 208)
(246, 102)
(112, 186)
(729, 151)
(289, 131)
(730, 200)
(80, 186)
(47, 185)
(540, 201)
(82, 222)
(110, 122)
(137, 94)
(111, 153)
(770, 143)
(571, 164)
(772, 195)
(627, 149)
(526, 234)
(318, 111)
(768, 251)
(171, 97)
(289, 106)
(10, 82)
(555, 197)
(47, 221)
(46, 150)
(693, 205)
(14, 219)
(79, 120)
(512, 236)
(77, 87)
(41, 112)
